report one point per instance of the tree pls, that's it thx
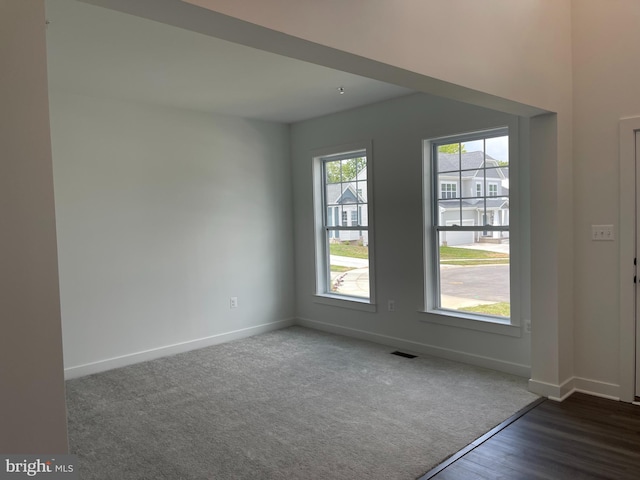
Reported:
(344, 170)
(452, 148)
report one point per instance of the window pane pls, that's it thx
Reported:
(363, 216)
(361, 168)
(333, 172)
(473, 146)
(448, 213)
(498, 148)
(349, 263)
(348, 193)
(448, 185)
(497, 176)
(497, 212)
(361, 189)
(449, 157)
(474, 277)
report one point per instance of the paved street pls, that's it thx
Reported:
(461, 286)
(487, 283)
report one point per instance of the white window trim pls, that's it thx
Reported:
(503, 326)
(321, 295)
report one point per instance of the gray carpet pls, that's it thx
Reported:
(290, 404)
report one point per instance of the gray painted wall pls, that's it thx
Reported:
(163, 215)
(397, 129)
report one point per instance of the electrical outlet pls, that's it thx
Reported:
(527, 326)
(233, 302)
(602, 233)
(392, 305)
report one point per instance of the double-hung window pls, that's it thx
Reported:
(468, 225)
(342, 190)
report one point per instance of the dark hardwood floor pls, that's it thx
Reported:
(584, 437)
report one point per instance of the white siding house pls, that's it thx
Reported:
(473, 190)
(347, 207)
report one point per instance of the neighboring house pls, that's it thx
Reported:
(347, 207)
(471, 194)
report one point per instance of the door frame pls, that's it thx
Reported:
(628, 233)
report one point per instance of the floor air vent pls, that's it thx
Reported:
(402, 354)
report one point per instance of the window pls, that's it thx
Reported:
(468, 231)
(448, 190)
(343, 256)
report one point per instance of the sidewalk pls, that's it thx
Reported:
(488, 247)
(349, 261)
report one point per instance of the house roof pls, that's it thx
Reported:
(471, 164)
(344, 193)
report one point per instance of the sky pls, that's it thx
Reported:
(497, 147)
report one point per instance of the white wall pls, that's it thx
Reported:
(32, 408)
(163, 215)
(397, 129)
(606, 83)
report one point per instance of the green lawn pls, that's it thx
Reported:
(501, 309)
(468, 256)
(448, 255)
(346, 250)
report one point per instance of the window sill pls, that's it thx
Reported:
(480, 323)
(342, 301)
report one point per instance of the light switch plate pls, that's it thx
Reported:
(602, 233)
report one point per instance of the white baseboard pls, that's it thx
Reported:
(597, 388)
(552, 391)
(417, 347)
(561, 392)
(132, 358)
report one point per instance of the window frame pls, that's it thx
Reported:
(322, 293)
(487, 323)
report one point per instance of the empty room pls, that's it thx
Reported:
(298, 242)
